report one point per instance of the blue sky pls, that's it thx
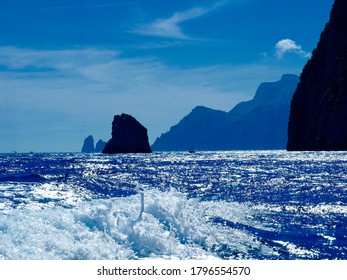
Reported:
(67, 67)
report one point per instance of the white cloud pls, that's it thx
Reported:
(289, 46)
(170, 27)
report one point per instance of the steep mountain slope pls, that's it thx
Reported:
(260, 123)
(318, 118)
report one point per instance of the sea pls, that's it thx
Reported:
(244, 205)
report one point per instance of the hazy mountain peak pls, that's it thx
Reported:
(260, 123)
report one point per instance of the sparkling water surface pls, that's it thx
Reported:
(203, 205)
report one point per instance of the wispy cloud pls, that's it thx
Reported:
(289, 46)
(170, 27)
(14, 58)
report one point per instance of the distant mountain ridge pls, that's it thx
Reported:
(260, 123)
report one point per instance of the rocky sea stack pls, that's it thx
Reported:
(128, 136)
(88, 145)
(318, 117)
(100, 145)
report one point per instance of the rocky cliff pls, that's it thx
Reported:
(260, 123)
(128, 136)
(318, 115)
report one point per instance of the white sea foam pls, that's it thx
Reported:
(298, 251)
(165, 225)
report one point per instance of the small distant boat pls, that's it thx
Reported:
(191, 151)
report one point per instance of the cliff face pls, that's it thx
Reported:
(260, 123)
(318, 115)
(128, 136)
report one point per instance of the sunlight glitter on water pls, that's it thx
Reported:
(228, 205)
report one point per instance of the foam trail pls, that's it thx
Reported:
(167, 226)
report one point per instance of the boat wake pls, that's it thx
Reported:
(151, 224)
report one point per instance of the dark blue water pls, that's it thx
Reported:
(226, 205)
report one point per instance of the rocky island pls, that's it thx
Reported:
(128, 136)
